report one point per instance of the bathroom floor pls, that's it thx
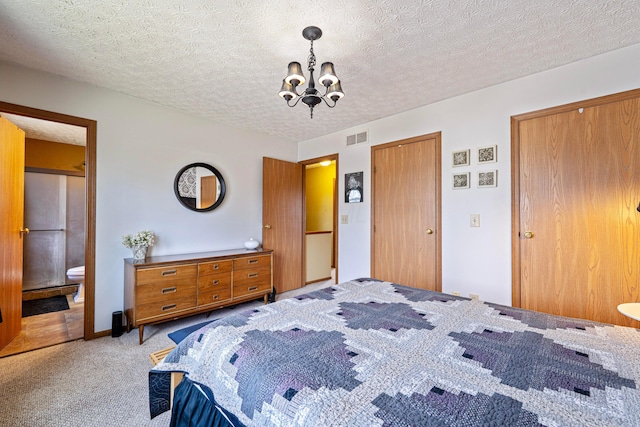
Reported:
(48, 329)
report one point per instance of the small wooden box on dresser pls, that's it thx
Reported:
(163, 288)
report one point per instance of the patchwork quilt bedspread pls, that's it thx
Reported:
(372, 353)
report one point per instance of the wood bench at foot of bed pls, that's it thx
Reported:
(157, 357)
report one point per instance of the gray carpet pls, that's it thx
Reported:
(101, 383)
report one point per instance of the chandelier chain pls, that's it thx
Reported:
(311, 61)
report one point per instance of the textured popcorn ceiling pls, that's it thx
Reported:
(49, 131)
(225, 59)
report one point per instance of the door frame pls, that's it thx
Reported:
(304, 163)
(516, 271)
(90, 190)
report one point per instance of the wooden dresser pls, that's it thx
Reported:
(169, 287)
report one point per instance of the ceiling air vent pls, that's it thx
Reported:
(357, 138)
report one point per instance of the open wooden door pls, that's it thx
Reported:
(282, 219)
(12, 208)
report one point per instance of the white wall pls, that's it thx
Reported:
(140, 148)
(474, 260)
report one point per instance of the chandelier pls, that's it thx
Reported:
(311, 96)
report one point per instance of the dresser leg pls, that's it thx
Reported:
(141, 332)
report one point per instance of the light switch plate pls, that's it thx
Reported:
(344, 219)
(475, 220)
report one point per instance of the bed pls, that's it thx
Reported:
(374, 353)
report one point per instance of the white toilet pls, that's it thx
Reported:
(76, 274)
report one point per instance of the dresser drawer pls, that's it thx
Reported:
(214, 288)
(214, 267)
(167, 275)
(249, 281)
(252, 262)
(160, 299)
(214, 296)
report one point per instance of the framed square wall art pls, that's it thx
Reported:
(460, 158)
(461, 180)
(488, 179)
(488, 154)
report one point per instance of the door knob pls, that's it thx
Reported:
(528, 234)
(24, 231)
(429, 231)
(267, 226)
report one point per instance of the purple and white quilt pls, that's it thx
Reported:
(372, 353)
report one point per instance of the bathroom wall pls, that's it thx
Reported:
(54, 155)
(319, 197)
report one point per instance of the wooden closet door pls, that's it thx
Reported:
(579, 231)
(406, 212)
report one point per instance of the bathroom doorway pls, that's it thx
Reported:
(64, 232)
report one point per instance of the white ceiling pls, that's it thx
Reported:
(225, 59)
(49, 131)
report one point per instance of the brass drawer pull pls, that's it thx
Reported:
(252, 275)
(168, 307)
(215, 297)
(170, 272)
(253, 288)
(253, 261)
(215, 282)
(169, 290)
(216, 266)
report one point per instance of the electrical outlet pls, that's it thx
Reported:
(344, 219)
(475, 220)
(474, 296)
(455, 293)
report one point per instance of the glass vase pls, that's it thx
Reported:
(139, 251)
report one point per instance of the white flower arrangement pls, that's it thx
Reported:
(141, 238)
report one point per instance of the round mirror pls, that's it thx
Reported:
(199, 187)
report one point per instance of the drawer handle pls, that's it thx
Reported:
(253, 261)
(253, 288)
(169, 273)
(252, 275)
(215, 282)
(215, 297)
(169, 290)
(168, 307)
(216, 266)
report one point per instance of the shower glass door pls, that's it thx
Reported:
(45, 200)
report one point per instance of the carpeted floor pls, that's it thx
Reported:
(101, 383)
(44, 305)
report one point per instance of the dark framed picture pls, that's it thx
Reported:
(353, 192)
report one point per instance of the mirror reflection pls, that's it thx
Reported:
(199, 187)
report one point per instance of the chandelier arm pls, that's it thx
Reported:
(327, 102)
(298, 98)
